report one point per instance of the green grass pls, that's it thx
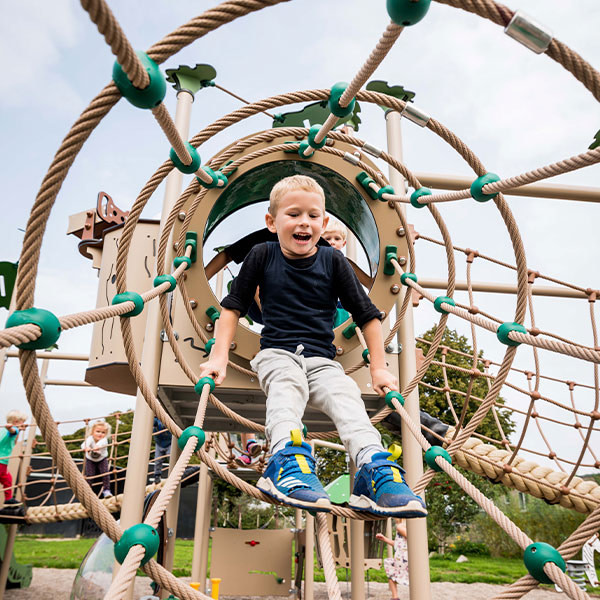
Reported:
(68, 554)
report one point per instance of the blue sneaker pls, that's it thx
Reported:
(380, 488)
(290, 478)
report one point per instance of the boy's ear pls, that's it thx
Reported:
(270, 221)
(325, 222)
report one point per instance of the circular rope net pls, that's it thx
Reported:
(498, 460)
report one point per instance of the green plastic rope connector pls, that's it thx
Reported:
(365, 181)
(304, 146)
(349, 331)
(232, 171)
(433, 453)
(406, 276)
(212, 313)
(290, 150)
(133, 297)
(193, 166)
(191, 239)
(504, 329)
(208, 346)
(202, 382)
(141, 534)
(152, 95)
(537, 555)
(304, 431)
(166, 278)
(312, 134)
(393, 394)
(216, 177)
(337, 89)
(391, 253)
(386, 189)
(477, 186)
(407, 12)
(192, 431)
(44, 319)
(365, 356)
(182, 259)
(414, 197)
(437, 304)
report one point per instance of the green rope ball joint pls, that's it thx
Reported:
(208, 346)
(393, 394)
(386, 189)
(152, 95)
(537, 555)
(437, 304)
(140, 534)
(414, 197)
(349, 331)
(216, 176)
(407, 12)
(312, 134)
(194, 431)
(304, 146)
(193, 166)
(166, 278)
(182, 259)
(406, 276)
(433, 453)
(202, 382)
(391, 253)
(477, 185)
(212, 313)
(504, 329)
(44, 319)
(365, 356)
(130, 297)
(366, 181)
(337, 90)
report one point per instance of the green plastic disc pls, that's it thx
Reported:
(193, 166)
(133, 297)
(182, 259)
(152, 95)
(188, 432)
(437, 304)
(394, 394)
(477, 185)
(537, 555)
(433, 453)
(202, 382)
(337, 89)
(140, 534)
(386, 189)
(44, 319)
(166, 278)
(407, 12)
(312, 134)
(365, 356)
(406, 276)
(414, 197)
(504, 329)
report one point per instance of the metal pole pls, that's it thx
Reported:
(141, 433)
(418, 555)
(357, 550)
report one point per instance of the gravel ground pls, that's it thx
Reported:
(56, 585)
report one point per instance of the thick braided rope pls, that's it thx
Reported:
(331, 580)
(107, 24)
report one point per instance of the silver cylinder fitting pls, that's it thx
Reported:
(372, 150)
(351, 158)
(526, 31)
(416, 115)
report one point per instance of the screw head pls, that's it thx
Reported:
(400, 232)
(402, 260)
(383, 314)
(209, 327)
(391, 203)
(395, 289)
(175, 245)
(339, 351)
(193, 303)
(233, 346)
(181, 216)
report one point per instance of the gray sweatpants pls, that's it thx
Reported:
(292, 381)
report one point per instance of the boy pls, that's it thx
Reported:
(162, 447)
(15, 420)
(299, 287)
(335, 234)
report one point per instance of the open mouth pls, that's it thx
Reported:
(302, 237)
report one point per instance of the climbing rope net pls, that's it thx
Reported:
(136, 76)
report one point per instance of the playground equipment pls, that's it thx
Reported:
(395, 275)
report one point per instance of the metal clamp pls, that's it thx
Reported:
(529, 33)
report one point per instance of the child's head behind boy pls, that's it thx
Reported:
(335, 234)
(297, 215)
(99, 430)
(15, 418)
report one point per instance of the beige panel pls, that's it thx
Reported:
(108, 366)
(247, 569)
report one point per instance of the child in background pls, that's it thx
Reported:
(336, 234)
(15, 421)
(396, 568)
(300, 283)
(95, 448)
(252, 450)
(162, 447)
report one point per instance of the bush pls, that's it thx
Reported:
(461, 546)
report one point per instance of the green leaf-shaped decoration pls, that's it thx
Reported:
(8, 274)
(315, 113)
(596, 141)
(396, 91)
(191, 78)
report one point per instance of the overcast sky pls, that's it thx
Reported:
(516, 110)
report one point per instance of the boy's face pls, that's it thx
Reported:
(335, 239)
(299, 223)
(98, 433)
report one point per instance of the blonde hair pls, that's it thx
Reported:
(293, 183)
(336, 226)
(16, 416)
(98, 423)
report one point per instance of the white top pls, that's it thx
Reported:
(98, 450)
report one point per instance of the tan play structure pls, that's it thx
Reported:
(157, 312)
